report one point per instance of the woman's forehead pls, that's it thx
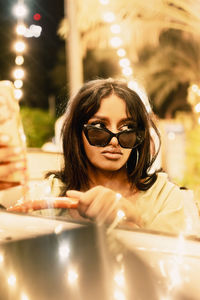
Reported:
(114, 108)
(115, 102)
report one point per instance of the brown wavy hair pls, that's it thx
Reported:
(80, 109)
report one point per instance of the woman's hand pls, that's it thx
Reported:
(7, 156)
(104, 206)
(99, 203)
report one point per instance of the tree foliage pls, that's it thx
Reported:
(167, 70)
(38, 126)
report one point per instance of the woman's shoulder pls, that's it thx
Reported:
(161, 188)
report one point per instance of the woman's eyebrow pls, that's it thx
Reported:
(128, 119)
(99, 118)
(123, 120)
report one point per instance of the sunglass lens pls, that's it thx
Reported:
(98, 137)
(128, 139)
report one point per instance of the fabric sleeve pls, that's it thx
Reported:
(178, 214)
(171, 216)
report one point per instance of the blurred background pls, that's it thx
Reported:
(49, 48)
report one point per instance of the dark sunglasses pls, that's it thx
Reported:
(100, 137)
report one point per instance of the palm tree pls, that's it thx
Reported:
(141, 21)
(166, 61)
(167, 71)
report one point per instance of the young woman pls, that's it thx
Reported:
(108, 153)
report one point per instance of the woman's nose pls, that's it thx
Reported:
(114, 141)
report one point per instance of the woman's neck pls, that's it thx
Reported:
(115, 180)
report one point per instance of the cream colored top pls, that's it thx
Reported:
(164, 207)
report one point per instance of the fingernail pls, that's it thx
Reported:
(4, 138)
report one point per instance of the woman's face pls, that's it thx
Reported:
(112, 115)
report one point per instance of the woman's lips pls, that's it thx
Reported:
(112, 154)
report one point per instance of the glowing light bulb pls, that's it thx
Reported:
(18, 73)
(109, 17)
(116, 42)
(20, 46)
(64, 251)
(18, 94)
(124, 62)
(36, 30)
(72, 276)
(18, 83)
(115, 28)
(19, 60)
(127, 71)
(119, 279)
(121, 52)
(24, 297)
(1, 258)
(197, 107)
(12, 280)
(20, 29)
(119, 295)
(195, 88)
(133, 85)
(20, 10)
(104, 2)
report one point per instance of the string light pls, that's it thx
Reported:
(104, 2)
(20, 29)
(20, 46)
(194, 99)
(124, 62)
(108, 16)
(115, 28)
(18, 83)
(18, 93)
(127, 71)
(20, 11)
(121, 52)
(197, 107)
(18, 73)
(116, 40)
(19, 60)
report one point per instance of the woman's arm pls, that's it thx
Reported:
(104, 206)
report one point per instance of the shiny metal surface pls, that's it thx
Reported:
(79, 261)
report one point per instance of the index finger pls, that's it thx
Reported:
(74, 194)
(86, 197)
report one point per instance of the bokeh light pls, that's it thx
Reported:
(18, 84)
(18, 94)
(19, 46)
(20, 29)
(18, 73)
(19, 60)
(20, 10)
(108, 17)
(116, 42)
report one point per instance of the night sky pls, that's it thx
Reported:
(41, 55)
